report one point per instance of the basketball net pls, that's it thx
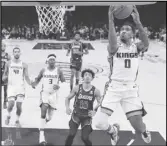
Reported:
(51, 18)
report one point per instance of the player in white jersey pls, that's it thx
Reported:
(122, 88)
(15, 72)
(50, 77)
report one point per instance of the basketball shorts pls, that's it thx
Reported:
(76, 63)
(15, 93)
(125, 94)
(49, 98)
(80, 120)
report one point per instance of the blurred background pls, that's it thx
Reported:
(91, 21)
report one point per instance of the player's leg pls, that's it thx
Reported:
(5, 97)
(19, 101)
(49, 114)
(78, 72)
(134, 110)
(73, 124)
(101, 122)
(86, 131)
(11, 102)
(72, 77)
(52, 101)
(77, 75)
(109, 104)
(44, 108)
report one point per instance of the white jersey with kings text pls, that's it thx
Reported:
(125, 64)
(49, 79)
(16, 74)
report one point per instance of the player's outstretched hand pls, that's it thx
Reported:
(68, 111)
(135, 15)
(91, 113)
(111, 12)
(56, 87)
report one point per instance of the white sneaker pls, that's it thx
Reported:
(114, 135)
(42, 138)
(146, 136)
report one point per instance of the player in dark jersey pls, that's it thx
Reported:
(77, 49)
(4, 59)
(84, 94)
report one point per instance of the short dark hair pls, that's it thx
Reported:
(89, 71)
(131, 24)
(16, 48)
(77, 32)
(50, 55)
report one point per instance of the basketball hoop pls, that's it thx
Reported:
(51, 18)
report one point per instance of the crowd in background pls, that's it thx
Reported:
(91, 21)
(32, 32)
(94, 32)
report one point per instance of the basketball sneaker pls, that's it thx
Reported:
(146, 136)
(44, 143)
(42, 140)
(114, 135)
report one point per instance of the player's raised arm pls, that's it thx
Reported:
(38, 78)
(6, 72)
(69, 97)
(112, 36)
(144, 44)
(61, 75)
(26, 74)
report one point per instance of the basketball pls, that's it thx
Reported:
(123, 12)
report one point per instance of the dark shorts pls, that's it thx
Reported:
(79, 120)
(76, 64)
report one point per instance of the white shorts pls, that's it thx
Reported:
(126, 94)
(49, 98)
(16, 93)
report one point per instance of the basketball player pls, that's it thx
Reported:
(84, 94)
(122, 87)
(15, 71)
(50, 77)
(78, 49)
(5, 57)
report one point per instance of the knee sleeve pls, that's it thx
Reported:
(10, 105)
(101, 120)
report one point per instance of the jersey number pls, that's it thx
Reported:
(83, 104)
(50, 81)
(127, 63)
(16, 71)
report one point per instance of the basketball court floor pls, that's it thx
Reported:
(152, 81)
